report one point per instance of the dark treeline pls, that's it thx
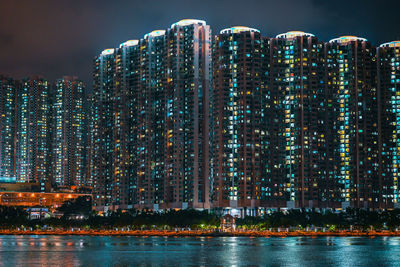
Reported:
(15, 217)
(11, 217)
(353, 218)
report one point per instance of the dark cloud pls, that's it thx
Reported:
(56, 38)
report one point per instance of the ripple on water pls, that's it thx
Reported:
(224, 251)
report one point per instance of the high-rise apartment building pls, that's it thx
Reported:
(188, 114)
(33, 131)
(237, 97)
(151, 117)
(126, 123)
(352, 88)
(295, 121)
(389, 124)
(103, 127)
(8, 90)
(68, 155)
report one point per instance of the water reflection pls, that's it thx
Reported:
(198, 251)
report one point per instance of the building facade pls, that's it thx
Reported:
(295, 121)
(128, 78)
(68, 157)
(8, 91)
(33, 131)
(38, 199)
(351, 81)
(237, 74)
(151, 117)
(188, 114)
(389, 124)
(103, 127)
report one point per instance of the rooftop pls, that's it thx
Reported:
(391, 44)
(186, 22)
(108, 51)
(129, 43)
(238, 29)
(154, 34)
(294, 34)
(347, 39)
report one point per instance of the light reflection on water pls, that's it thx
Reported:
(198, 251)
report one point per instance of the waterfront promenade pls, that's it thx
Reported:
(284, 232)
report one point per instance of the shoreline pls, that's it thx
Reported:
(151, 233)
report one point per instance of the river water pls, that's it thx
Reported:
(198, 251)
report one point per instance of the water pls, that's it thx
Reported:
(198, 251)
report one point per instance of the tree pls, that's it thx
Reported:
(81, 206)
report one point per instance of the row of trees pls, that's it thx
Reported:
(352, 218)
(11, 217)
(16, 217)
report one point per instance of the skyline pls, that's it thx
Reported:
(302, 131)
(31, 45)
(148, 135)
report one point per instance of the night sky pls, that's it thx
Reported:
(59, 37)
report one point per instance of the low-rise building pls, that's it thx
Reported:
(32, 199)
